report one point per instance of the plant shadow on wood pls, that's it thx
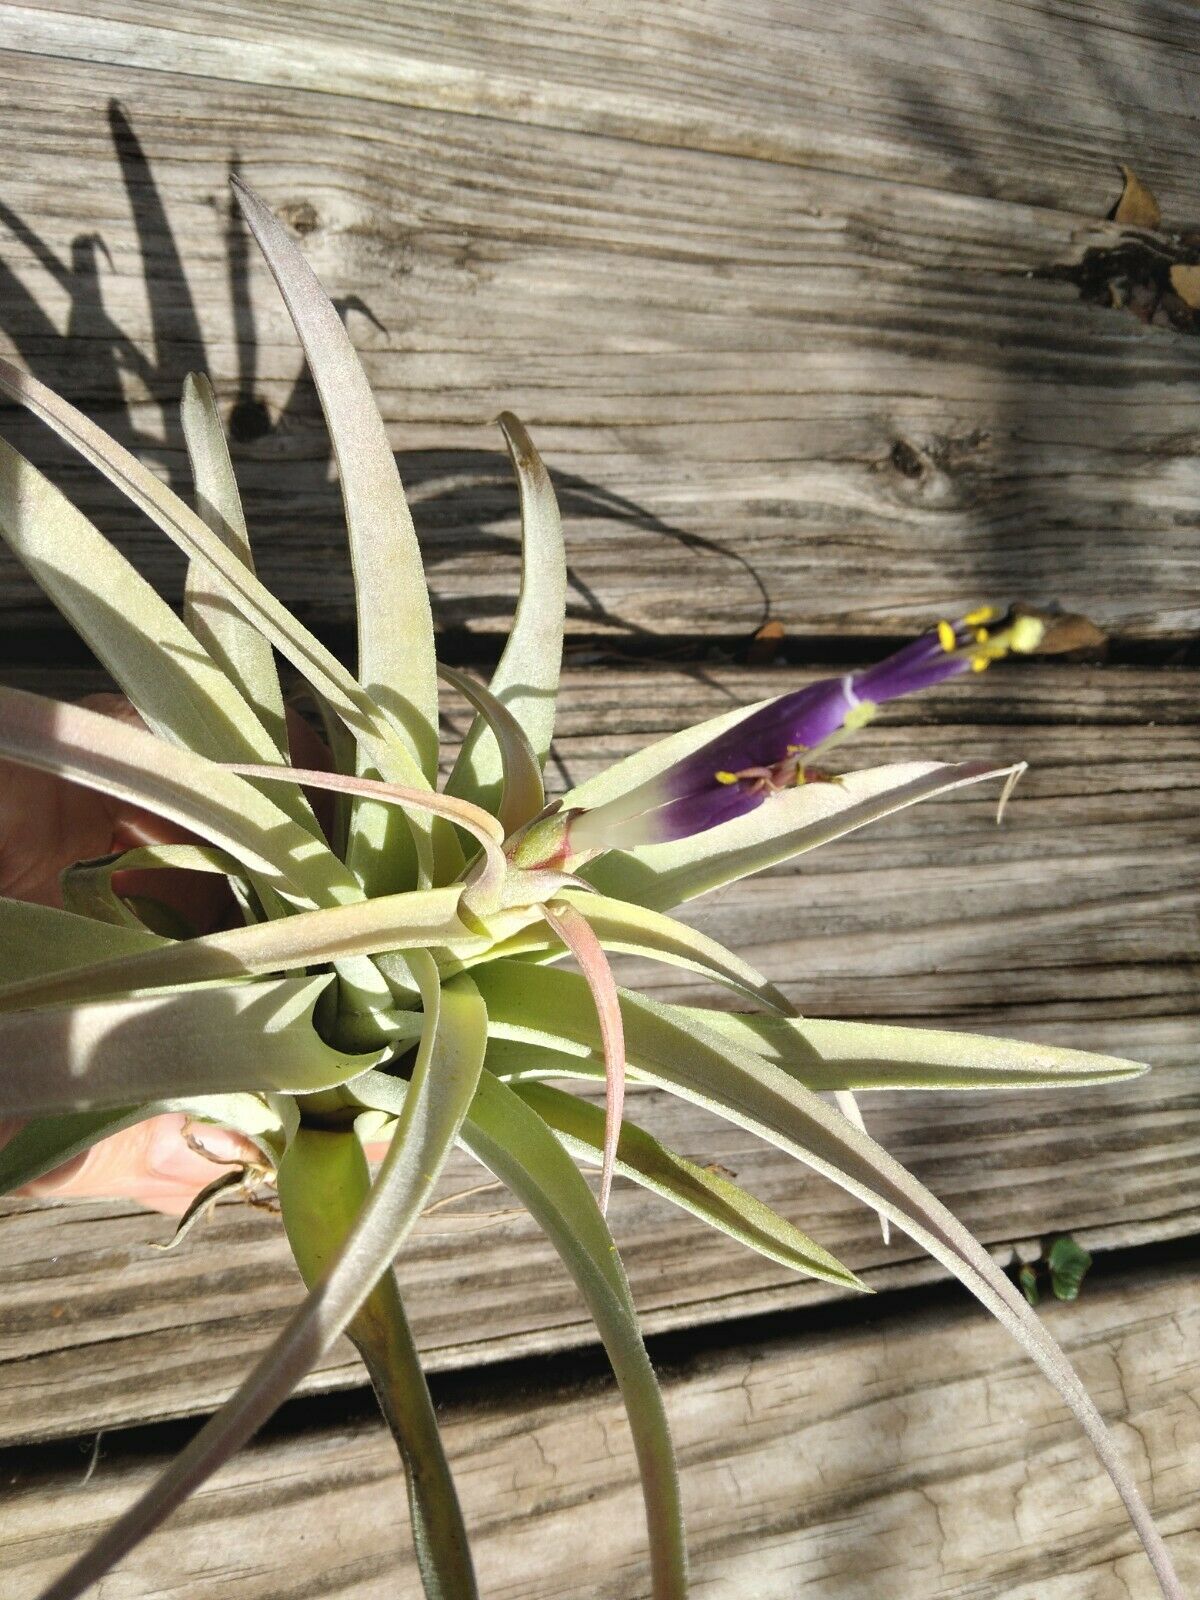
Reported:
(462, 499)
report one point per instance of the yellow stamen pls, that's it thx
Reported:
(980, 663)
(980, 614)
(947, 638)
(725, 777)
(981, 636)
(1026, 634)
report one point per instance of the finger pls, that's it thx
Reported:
(152, 1163)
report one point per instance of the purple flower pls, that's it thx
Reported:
(777, 746)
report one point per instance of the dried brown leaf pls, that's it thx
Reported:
(1137, 207)
(1067, 632)
(1185, 280)
(765, 645)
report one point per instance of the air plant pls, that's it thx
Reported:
(394, 974)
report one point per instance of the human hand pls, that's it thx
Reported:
(47, 824)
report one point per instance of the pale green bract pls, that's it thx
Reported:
(404, 981)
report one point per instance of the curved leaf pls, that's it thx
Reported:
(637, 930)
(87, 887)
(175, 783)
(181, 524)
(444, 1081)
(411, 921)
(515, 1144)
(520, 796)
(324, 1182)
(195, 1042)
(704, 1193)
(395, 624)
(784, 826)
(579, 939)
(168, 674)
(705, 1067)
(209, 609)
(526, 678)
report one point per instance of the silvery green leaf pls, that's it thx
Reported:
(412, 922)
(526, 678)
(174, 683)
(109, 755)
(444, 1082)
(623, 926)
(705, 1067)
(199, 1041)
(395, 625)
(39, 941)
(209, 610)
(784, 826)
(703, 1192)
(518, 1148)
(520, 795)
(323, 1185)
(133, 765)
(871, 1055)
(179, 522)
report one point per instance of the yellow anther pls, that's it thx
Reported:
(981, 636)
(947, 637)
(796, 749)
(980, 663)
(980, 614)
(1026, 634)
(725, 777)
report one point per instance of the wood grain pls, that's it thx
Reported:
(1015, 101)
(920, 1455)
(823, 387)
(1076, 923)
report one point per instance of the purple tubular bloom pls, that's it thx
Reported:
(768, 750)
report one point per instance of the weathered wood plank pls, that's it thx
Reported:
(1017, 101)
(1075, 923)
(823, 394)
(921, 1455)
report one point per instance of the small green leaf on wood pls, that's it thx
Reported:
(1068, 1263)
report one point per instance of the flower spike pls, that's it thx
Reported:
(778, 745)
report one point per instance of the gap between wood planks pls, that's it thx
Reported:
(63, 649)
(556, 1374)
(913, 1450)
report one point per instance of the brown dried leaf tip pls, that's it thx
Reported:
(1185, 280)
(764, 647)
(1065, 632)
(1152, 271)
(1137, 207)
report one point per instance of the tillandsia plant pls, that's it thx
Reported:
(391, 973)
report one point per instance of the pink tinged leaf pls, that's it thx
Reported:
(576, 933)
(486, 883)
